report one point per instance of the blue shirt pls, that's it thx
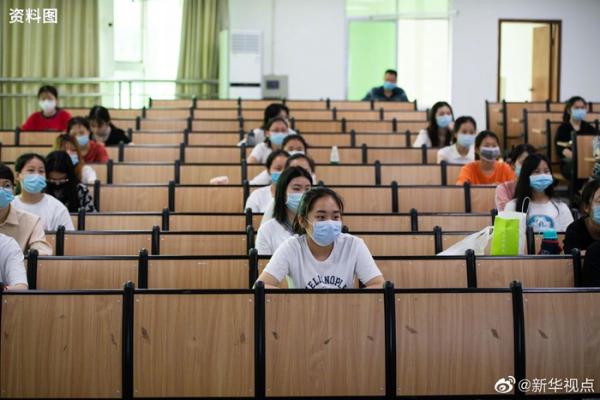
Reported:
(378, 94)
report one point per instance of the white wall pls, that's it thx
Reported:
(310, 45)
(475, 52)
(305, 40)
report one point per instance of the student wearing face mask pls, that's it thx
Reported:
(535, 196)
(51, 118)
(439, 131)
(389, 91)
(68, 143)
(277, 130)
(584, 232)
(573, 121)
(26, 228)
(31, 177)
(505, 192)
(292, 184)
(12, 268)
(297, 160)
(103, 129)
(64, 185)
(292, 144)
(462, 151)
(92, 151)
(259, 199)
(320, 256)
(273, 110)
(486, 170)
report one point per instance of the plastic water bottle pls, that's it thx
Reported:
(550, 243)
(334, 157)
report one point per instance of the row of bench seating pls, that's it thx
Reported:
(123, 242)
(240, 272)
(241, 343)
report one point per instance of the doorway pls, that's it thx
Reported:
(529, 60)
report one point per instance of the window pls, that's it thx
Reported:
(147, 36)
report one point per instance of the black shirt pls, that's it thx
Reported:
(577, 236)
(116, 136)
(563, 134)
(378, 94)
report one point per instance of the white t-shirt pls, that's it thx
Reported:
(88, 175)
(52, 212)
(262, 179)
(451, 155)
(270, 236)
(422, 139)
(349, 257)
(268, 214)
(259, 199)
(12, 267)
(261, 152)
(543, 216)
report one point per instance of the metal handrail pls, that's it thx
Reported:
(95, 80)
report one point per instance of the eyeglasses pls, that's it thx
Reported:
(58, 181)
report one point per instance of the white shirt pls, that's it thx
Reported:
(349, 257)
(543, 216)
(88, 175)
(270, 236)
(262, 179)
(451, 155)
(268, 214)
(52, 212)
(261, 152)
(259, 199)
(12, 267)
(422, 139)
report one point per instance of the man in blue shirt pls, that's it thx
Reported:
(389, 91)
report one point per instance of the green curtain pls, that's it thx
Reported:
(67, 49)
(199, 51)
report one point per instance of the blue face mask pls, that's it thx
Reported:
(465, 140)
(596, 214)
(275, 176)
(443, 120)
(540, 182)
(6, 196)
(34, 183)
(83, 140)
(578, 114)
(325, 232)
(74, 159)
(293, 201)
(389, 85)
(277, 138)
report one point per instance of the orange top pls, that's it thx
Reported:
(472, 173)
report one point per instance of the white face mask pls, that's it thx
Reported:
(48, 106)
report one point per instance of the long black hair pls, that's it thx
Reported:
(308, 200)
(432, 128)
(569, 105)
(523, 189)
(66, 193)
(280, 208)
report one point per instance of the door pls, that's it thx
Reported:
(540, 63)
